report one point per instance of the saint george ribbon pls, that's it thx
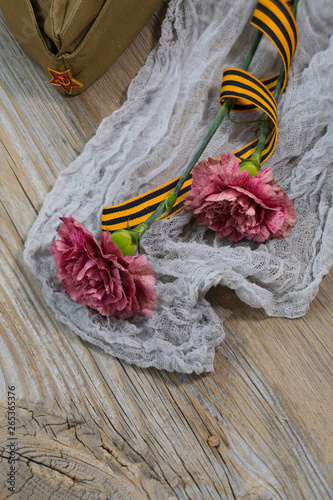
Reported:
(275, 19)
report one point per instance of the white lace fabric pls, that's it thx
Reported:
(170, 106)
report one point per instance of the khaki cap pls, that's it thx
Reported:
(75, 41)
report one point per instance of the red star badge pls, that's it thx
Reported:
(64, 79)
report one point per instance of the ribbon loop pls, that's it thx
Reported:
(240, 84)
(276, 20)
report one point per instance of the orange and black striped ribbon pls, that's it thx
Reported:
(275, 19)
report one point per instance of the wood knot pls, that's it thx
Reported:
(213, 441)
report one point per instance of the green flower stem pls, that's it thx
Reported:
(252, 50)
(266, 122)
(166, 205)
(228, 104)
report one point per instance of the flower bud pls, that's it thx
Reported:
(170, 200)
(250, 166)
(126, 240)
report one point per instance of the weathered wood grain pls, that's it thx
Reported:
(89, 426)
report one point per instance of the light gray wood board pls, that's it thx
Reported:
(90, 426)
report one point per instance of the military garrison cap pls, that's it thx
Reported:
(75, 41)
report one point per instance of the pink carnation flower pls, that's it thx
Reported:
(236, 205)
(99, 276)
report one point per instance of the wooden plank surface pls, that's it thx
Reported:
(89, 426)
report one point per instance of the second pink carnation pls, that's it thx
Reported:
(238, 206)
